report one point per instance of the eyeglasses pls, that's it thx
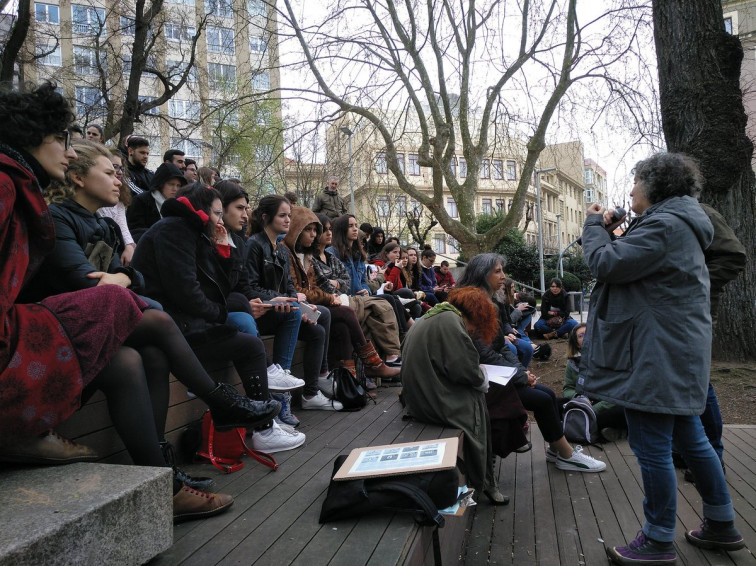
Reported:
(65, 138)
(218, 213)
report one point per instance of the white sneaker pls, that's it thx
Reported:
(580, 462)
(327, 386)
(277, 439)
(321, 402)
(551, 455)
(282, 380)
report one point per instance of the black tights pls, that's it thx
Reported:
(135, 384)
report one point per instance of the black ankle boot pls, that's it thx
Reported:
(200, 483)
(230, 409)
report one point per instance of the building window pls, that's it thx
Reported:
(258, 43)
(384, 207)
(401, 206)
(184, 109)
(511, 170)
(89, 102)
(453, 166)
(178, 32)
(85, 61)
(728, 25)
(400, 161)
(222, 8)
(498, 169)
(588, 177)
(257, 8)
(414, 166)
(221, 76)
(453, 245)
(451, 208)
(220, 40)
(46, 13)
(261, 80)
(154, 111)
(462, 168)
(380, 163)
(176, 70)
(128, 26)
(416, 207)
(88, 20)
(184, 2)
(500, 205)
(439, 243)
(486, 207)
(485, 169)
(191, 147)
(49, 56)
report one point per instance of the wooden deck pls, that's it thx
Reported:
(555, 518)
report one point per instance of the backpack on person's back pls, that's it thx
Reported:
(579, 422)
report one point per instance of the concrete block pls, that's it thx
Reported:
(85, 514)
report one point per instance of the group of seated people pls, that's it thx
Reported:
(194, 276)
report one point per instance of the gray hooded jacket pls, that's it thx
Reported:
(648, 341)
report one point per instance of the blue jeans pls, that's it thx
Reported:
(651, 436)
(712, 422)
(524, 324)
(243, 322)
(285, 327)
(543, 327)
(523, 349)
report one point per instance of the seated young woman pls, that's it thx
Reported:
(515, 340)
(443, 383)
(391, 255)
(486, 272)
(376, 316)
(55, 352)
(147, 208)
(267, 264)
(346, 337)
(348, 249)
(187, 266)
(610, 418)
(118, 212)
(555, 321)
(427, 283)
(521, 307)
(235, 218)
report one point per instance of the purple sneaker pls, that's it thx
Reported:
(716, 535)
(643, 550)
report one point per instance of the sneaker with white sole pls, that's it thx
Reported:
(285, 415)
(320, 402)
(551, 455)
(580, 462)
(277, 439)
(281, 380)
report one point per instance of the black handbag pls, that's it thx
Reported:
(423, 493)
(347, 390)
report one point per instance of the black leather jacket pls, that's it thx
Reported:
(268, 270)
(66, 268)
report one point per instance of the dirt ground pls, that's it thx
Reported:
(734, 382)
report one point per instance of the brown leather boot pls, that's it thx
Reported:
(374, 366)
(190, 504)
(48, 449)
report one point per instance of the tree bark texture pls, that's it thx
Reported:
(15, 42)
(703, 116)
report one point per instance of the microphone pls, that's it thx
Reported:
(617, 215)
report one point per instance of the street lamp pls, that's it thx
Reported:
(559, 243)
(348, 133)
(540, 224)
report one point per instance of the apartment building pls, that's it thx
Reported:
(87, 47)
(379, 200)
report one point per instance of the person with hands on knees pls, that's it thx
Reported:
(267, 265)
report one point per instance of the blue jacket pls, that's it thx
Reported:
(356, 269)
(428, 279)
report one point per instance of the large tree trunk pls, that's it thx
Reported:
(703, 116)
(15, 42)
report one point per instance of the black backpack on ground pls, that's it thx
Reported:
(579, 421)
(347, 390)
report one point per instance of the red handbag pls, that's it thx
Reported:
(225, 448)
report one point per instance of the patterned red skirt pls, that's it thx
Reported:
(58, 355)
